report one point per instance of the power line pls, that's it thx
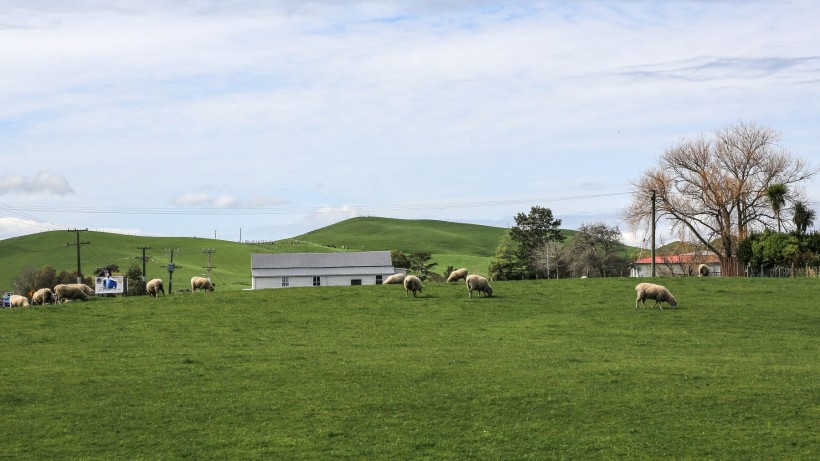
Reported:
(303, 210)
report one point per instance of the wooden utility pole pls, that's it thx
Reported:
(171, 267)
(144, 259)
(209, 251)
(653, 232)
(77, 244)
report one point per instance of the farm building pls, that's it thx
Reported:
(282, 270)
(681, 264)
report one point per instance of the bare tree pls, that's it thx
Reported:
(597, 247)
(547, 259)
(716, 188)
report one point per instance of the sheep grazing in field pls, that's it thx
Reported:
(154, 287)
(201, 283)
(457, 275)
(657, 292)
(18, 301)
(703, 270)
(394, 279)
(42, 297)
(412, 283)
(72, 291)
(478, 283)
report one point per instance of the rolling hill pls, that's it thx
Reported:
(450, 244)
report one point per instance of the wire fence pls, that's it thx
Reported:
(783, 271)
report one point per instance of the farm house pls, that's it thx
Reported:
(282, 270)
(681, 264)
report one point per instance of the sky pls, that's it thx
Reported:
(262, 120)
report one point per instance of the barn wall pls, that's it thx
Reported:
(261, 283)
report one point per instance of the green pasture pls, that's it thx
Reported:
(231, 261)
(549, 369)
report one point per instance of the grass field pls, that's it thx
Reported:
(232, 260)
(557, 369)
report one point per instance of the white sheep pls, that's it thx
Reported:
(394, 279)
(154, 287)
(72, 291)
(457, 275)
(703, 270)
(201, 283)
(18, 301)
(42, 296)
(412, 283)
(478, 283)
(657, 292)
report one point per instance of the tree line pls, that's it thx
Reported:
(737, 193)
(536, 248)
(30, 280)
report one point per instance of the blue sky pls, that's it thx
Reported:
(201, 118)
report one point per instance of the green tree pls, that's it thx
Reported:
(532, 231)
(45, 277)
(776, 194)
(399, 259)
(803, 217)
(769, 250)
(505, 264)
(421, 265)
(595, 248)
(134, 275)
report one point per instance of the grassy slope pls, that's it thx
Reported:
(559, 369)
(409, 236)
(450, 244)
(453, 244)
(232, 260)
(460, 245)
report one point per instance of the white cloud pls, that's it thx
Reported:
(225, 201)
(328, 215)
(15, 227)
(195, 200)
(42, 182)
(390, 102)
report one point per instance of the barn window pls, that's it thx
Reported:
(317, 281)
(356, 282)
(285, 282)
(378, 280)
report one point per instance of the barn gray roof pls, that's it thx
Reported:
(320, 260)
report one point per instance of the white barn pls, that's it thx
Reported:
(282, 270)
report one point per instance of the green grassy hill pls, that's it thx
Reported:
(231, 261)
(450, 244)
(409, 236)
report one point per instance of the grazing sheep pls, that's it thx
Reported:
(42, 296)
(18, 301)
(478, 283)
(394, 279)
(457, 275)
(201, 283)
(412, 283)
(703, 270)
(153, 287)
(72, 291)
(657, 292)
